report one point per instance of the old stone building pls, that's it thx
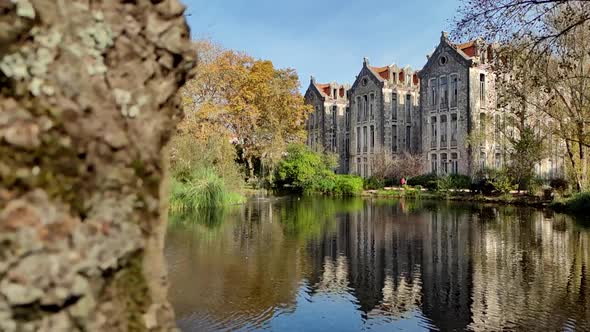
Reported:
(384, 115)
(446, 113)
(328, 126)
(458, 107)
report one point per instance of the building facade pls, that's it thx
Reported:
(328, 126)
(446, 113)
(384, 115)
(458, 109)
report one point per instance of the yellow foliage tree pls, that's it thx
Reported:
(257, 105)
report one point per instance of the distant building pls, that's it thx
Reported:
(446, 113)
(328, 125)
(384, 115)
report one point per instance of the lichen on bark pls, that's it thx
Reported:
(87, 102)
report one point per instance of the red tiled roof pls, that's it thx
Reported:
(382, 71)
(325, 88)
(468, 48)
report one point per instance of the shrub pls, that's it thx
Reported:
(560, 185)
(502, 182)
(482, 186)
(577, 204)
(373, 183)
(445, 183)
(428, 181)
(300, 167)
(460, 181)
(309, 172)
(348, 185)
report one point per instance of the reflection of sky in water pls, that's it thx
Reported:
(339, 312)
(335, 265)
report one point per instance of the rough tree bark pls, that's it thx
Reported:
(87, 101)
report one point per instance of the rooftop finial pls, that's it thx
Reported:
(312, 79)
(365, 61)
(444, 36)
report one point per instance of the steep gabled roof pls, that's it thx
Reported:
(461, 52)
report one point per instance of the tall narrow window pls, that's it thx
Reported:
(408, 80)
(497, 128)
(433, 132)
(366, 108)
(394, 106)
(482, 123)
(454, 128)
(334, 117)
(443, 130)
(358, 166)
(358, 139)
(394, 138)
(335, 93)
(433, 95)
(408, 108)
(433, 163)
(359, 109)
(498, 160)
(365, 167)
(365, 139)
(372, 136)
(408, 138)
(482, 89)
(347, 119)
(454, 164)
(444, 93)
(482, 160)
(454, 90)
(371, 110)
(443, 163)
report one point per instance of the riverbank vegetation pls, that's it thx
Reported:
(305, 171)
(241, 114)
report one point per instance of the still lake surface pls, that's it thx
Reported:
(320, 264)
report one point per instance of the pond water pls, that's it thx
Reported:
(318, 264)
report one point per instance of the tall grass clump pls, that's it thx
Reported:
(203, 174)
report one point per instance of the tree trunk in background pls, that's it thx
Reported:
(87, 102)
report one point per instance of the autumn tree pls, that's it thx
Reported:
(258, 106)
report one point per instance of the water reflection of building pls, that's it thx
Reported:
(399, 261)
(531, 271)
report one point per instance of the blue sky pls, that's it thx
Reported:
(325, 38)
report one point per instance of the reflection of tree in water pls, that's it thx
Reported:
(234, 275)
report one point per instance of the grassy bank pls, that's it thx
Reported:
(578, 204)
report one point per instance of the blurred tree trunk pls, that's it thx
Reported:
(87, 102)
